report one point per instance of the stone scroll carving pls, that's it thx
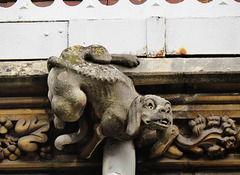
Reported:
(22, 137)
(212, 135)
(83, 87)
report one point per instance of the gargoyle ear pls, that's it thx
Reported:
(134, 117)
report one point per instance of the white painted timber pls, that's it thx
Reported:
(25, 10)
(200, 28)
(199, 36)
(117, 35)
(155, 37)
(32, 40)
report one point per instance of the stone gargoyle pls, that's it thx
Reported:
(81, 78)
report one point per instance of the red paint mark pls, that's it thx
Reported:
(182, 51)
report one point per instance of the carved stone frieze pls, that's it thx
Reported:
(211, 135)
(21, 137)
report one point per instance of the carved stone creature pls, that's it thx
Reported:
(77, 81)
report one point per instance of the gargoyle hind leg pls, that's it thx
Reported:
(87, 150)
(72, 137)
(67, 101)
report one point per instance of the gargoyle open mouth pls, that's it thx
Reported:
(160, 122)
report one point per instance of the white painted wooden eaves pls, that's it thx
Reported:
(155, 28)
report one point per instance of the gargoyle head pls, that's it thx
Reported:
(150, 111)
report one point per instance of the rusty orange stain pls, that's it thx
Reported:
(182, 51)
(161, 53)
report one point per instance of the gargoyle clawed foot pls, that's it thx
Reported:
(125, 60)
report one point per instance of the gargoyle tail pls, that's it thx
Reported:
(66, 139)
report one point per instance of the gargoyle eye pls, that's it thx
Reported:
(150, 107)
(150, 104)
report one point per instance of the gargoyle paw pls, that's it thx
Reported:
(132, 61)
(125, 60)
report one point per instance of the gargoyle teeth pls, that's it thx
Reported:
(162, 121)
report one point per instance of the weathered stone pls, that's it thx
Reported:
(23, 68)
(76, 78)
(150, 71)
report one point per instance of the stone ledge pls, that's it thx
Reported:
(149, 72)
(23, 69)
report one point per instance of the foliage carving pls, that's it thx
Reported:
(15, 139)
(31, 132)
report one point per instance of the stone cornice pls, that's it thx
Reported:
(149, 72)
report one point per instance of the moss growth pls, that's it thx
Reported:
(99, 51)
(71, 54)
